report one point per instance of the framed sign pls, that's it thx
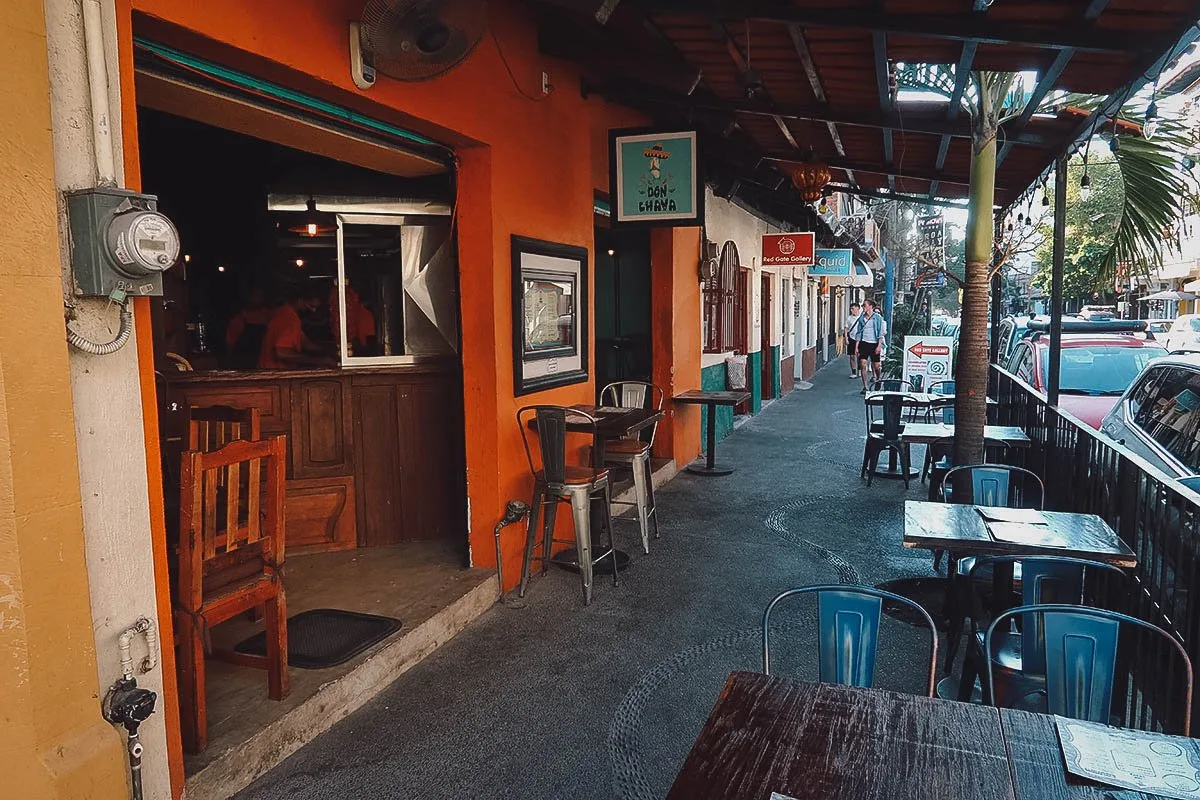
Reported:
(788, 249)
(832, 262)
(550, 315)
(654, 178)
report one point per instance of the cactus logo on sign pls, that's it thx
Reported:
(832, 263)
(654, 178)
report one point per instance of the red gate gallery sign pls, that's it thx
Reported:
(788, 249)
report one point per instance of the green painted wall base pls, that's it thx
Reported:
(754, 379)
(776, 372)
(713, 379)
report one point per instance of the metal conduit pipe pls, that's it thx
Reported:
(124, 331)
(514, 511)
(93, 35)
(125, 646)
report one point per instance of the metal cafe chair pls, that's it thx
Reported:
(989, 485)
(946, 391)
(1081, 654)
(884, 435)
(892, 385)
(558, 482)
(1021, 655)
(634, 452)
(848, 634)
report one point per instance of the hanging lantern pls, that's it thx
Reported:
(810, 177)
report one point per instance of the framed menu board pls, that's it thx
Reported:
(550, 315)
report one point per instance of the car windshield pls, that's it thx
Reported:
(1100, 369)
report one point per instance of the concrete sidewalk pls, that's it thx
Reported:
(555, 700)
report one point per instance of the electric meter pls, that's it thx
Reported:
(142, 243)
(120, 243)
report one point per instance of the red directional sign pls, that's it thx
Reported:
(920, 350)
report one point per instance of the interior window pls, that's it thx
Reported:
(1166, 408)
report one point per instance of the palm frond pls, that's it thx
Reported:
(1155, 189)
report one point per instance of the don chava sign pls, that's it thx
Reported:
(788, 249)
(927, 360)
(654, 178)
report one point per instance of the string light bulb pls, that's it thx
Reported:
(823, 208)
(1085, 186)
(299, 262)
(1150, 128)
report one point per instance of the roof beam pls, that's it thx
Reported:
(914, 121)
(960, 27)
(904, 198)
(962, 73)
(818, 90)
(1050, 77)
(879, 44)
(877, 169)
(722, 34)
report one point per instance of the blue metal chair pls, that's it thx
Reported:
(1022, 657)
(989, 485)
(891, 385)
(1081, 655)
(884, 435)
(944, 391)
(848, 617)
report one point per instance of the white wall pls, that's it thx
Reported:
(107, 399)
(725, 221)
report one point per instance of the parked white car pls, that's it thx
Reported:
(1184, 334)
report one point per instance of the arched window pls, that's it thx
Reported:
(718, 302)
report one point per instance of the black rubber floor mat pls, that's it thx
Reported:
(325, 637)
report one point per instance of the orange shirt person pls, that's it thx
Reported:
(284, 345)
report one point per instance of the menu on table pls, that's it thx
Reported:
(1146, 762)
(1027, 516)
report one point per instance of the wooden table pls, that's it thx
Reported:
(927, 432)
(611, 423)
(711, 400)
(958, 528)
(824, 742)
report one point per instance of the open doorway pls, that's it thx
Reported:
(317, 302)
(622, 306)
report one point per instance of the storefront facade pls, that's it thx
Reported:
(526, 163)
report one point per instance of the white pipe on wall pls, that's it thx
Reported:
(97, 65)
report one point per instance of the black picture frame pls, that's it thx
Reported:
(547, 358)
(614, 189)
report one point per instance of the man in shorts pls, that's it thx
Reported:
(851, 342)
(871, 333)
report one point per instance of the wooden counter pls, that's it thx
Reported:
(375, 456)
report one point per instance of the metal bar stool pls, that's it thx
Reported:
(634, 452)
(557, 482)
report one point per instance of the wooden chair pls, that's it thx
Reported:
(213, 427)
(231, 556)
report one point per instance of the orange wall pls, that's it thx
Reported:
(528, 167)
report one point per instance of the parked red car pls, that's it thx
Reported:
(1096, 368)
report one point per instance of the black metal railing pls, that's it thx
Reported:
(1085, 471)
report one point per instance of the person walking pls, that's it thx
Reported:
(851, 342)
(871, 333)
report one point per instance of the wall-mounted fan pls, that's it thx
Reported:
(416, 40)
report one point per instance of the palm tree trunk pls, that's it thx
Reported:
(971, 375)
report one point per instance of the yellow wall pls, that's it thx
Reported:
(53, 741)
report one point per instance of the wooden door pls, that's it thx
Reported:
(768, 372)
